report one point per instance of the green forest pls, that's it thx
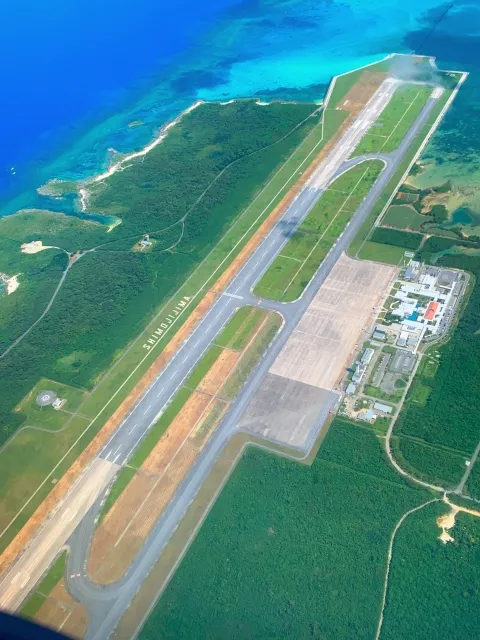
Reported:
(109, 294)
(397, 238)
(433, 587)
(289, 550)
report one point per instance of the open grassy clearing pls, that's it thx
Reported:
(56, 572)
(27, 459)
(252, 329)
(48, 417)
(392, 125)
(281, 541)
(433, 587)
(294, 267)
(389, 245)
(404, 216)
(387, 254)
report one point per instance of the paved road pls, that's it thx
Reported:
(105, 605)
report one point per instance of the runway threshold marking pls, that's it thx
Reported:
(233, 295)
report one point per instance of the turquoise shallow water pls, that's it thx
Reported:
(270, 48)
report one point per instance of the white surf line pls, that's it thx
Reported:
(119, 166)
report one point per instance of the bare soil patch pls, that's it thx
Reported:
(208, 422)
(118, 517)
(119, 555)
(217, 374)
(170, 443)
(362, 91)
(62, 613)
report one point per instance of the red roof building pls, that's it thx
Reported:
(431, 310)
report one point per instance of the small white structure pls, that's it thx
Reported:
(384, 408)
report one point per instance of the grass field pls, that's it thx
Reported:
(392, 125)
(389, 245)
(38, 597)
(384, 253)
(403, 216)
(294, 267)
(433, 587)
(48, 417)
(281, 541)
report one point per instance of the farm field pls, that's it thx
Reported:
(268, 548)
(292, 270)
(399, 115)
(432, 586)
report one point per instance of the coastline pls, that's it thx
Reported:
(119, 166)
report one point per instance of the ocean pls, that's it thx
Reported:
(83, 81)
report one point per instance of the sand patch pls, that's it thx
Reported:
(177, 432)
(11, 282)
(62, 613)
(35, 246)
(118, 517)
(219, 372)
(362, 91)
(447, 522)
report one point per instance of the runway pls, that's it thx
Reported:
(105, 605)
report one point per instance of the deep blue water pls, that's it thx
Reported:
(75, 74)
